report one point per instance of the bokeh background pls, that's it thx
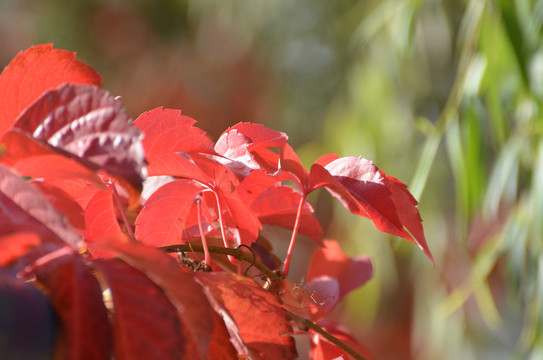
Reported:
(446, 95)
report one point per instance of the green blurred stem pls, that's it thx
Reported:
(472, 23)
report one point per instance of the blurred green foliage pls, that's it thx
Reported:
(446, 95)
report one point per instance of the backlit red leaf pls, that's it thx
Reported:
(330, 261)
(164, 216)
(278, 205)
(262, 323)
(90, 125)
(101, 220)
(365, 190)
(34, 71)
(77, 299)
(24, 207)
(248, 144)
(167, 131)
(145, 323)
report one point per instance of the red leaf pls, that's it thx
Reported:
(246, 143)
(176, 165)
(167, 131)
(365, 190)
(409, 215)
(330, 261)
(240, 221)
(15, 245)
(23, 207)
(101, 220)
(195, 313)
(145, 323)
(322, 349)
(278, 205)
(64, 203)
(291, 163)
(34, 71)
(89, 124)
(80, 190)
(262, 322)
(77, 300)
(164, 214)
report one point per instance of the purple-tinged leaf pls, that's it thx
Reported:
(89, 124)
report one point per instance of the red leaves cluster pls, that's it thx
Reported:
(72, 169)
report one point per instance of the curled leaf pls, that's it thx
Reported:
(89, 125)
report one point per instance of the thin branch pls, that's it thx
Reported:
(237, 253)
(308, 324)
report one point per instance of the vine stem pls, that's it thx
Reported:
(286, 265)
(207, 258)
(111, 185)
(274, 277)
(308, 324)
(236, 253)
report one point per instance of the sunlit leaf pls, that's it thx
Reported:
(34, 71)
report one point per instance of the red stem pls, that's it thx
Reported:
(111, 185)
(207, 258)
(286, 265)
(223, 233)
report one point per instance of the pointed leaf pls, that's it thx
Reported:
(262, 323)
(34, 71)
(365, 190)
(77, 299)
(145, 323)
(167, 131)
(247, 143)
(23, 207)
(89, 124)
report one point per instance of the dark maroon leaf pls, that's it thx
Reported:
(77, 299)
(89, 124)
(195, 313)
(145, 323)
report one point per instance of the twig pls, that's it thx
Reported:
(308, 324)
(237, 253)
